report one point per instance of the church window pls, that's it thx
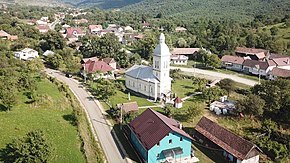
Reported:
(133, 84)
(139, 85)
(145, 88)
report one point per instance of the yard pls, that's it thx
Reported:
(53, 115)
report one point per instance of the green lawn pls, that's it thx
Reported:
(52, 116)
(183, 87)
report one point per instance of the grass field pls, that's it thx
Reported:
(53, 116)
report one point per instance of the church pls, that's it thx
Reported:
(153, 82)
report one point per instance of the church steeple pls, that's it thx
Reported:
(162, 39)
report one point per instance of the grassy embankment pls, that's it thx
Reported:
(61, 118)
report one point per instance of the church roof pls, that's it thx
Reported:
(142, 72)
(161, 48)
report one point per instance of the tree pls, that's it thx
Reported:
(212, 93)
(103, 89)
(56, 61)
(34, 147)
(52, 40)
(252, 105)
(8, 92)
(213, 61)
(201, 83)
(181, 43)
(227, 84)
(274, 30)
(168, 110)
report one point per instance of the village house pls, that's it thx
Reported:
(145, 25)
(158, 138)
(26, 54)
(227, 144)
(232, 62)
(257, 67)
(283, 63)
(73, 34)
(189, 52)
(178, 102)
(80, 21)
(94, 29)
(254, 54)
(48, 53)
(278, 72)
(180, 29)
(103, 68)
(153, 82)
(6, 36)
(178, 59)
(43, 28)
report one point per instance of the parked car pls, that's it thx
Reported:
(68, 75)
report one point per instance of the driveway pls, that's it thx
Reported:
(98, 120)
(215, 75)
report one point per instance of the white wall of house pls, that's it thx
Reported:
(284, 67)
(26, 55)
(144, 87)
(250, 160)
(232, 66)
(179, 62)
(113, 65)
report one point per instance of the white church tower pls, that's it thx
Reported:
(161, 67)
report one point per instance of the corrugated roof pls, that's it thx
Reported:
(257, 64)
(142, 72)
(178, 51)
(282, 61)
(260, 53)
(280, 72)
(233, 59)
(150, 127)
(232, 143)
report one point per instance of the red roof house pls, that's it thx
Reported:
(255, 54)
(97, 66)
(74, 33)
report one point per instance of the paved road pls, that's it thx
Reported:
(216, 75)
(103, 130)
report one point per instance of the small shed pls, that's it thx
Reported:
(178, 102)
(128, 107)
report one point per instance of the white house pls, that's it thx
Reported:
(153, 82)
(179, 59)
(26, 54)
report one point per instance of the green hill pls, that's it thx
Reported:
(229, 9)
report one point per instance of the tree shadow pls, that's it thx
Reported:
(4, 155)
(71, 118)
(3, 108)
(181, 117)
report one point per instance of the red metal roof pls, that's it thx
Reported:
(232, 143)
(233, 59)
(93, 66)
(178, 100)
(280, 72)
(150, 127)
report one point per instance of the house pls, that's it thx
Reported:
(47, 53)
(128, 107)
(43, 28)
(283, 63)
(232, 62)
(254, 54)
(80, 21)
(145, 25)
(111, 62)
(73, 34)
(178, 59)
(257, 67)
(31, 22)
(189, 52)
(278, 72)
(95, 28)
(153, 82)
(26, 54)
(6, 36)
(180, 29)
(158, 138)
(178, 102)
(128, 29)
(41, 22)
(232, 147)
(97, 67)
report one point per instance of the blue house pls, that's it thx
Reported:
(160, 139)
